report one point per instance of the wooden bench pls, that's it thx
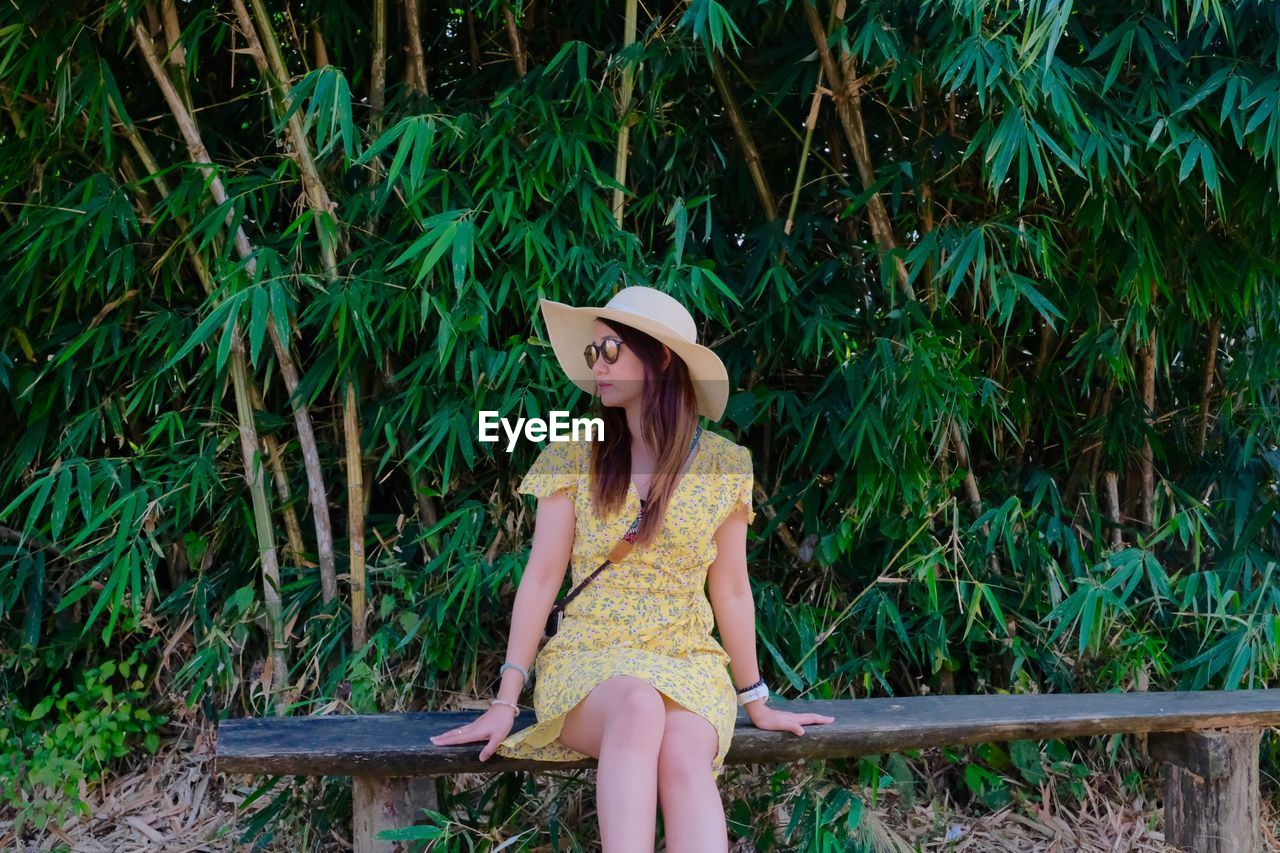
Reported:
(1210, 739)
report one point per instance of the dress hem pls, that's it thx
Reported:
(553, 749)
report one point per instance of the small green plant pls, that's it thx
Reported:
(67, 740)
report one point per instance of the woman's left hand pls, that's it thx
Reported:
(773, 719)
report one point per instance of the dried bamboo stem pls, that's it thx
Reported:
(265, 47)
(249, 444)
(288, 370)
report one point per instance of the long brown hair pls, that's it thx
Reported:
(669, 416)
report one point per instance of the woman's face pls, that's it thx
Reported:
(622, 382)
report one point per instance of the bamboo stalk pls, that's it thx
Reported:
(473, 44)
(836, 143)
(1210, 362)
(173, 34)
(1047, 340)
(318, 46)
(288, 371)
(926, 195)
(1148, 416)
(417, 77)
(1096, 463)
(355, 512)
(1111, 506)
(810, 122)
(846, 90)
(378, 77)
(249, 444)
(265, 49)
(250, 448)
(971, 490)
(280, 477)
(513, 33)
(742, 132)
(275, 458)
(297, 546)
(624, 114)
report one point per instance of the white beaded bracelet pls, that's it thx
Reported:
(505, 702)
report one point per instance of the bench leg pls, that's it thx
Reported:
(1211, 800)
(387, 802)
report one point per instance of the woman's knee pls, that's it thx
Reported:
(621, 707)
(689, 745)
(635, 709)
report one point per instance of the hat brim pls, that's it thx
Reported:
(571, 328)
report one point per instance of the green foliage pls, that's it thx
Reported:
(1068, 186)
(70, 737)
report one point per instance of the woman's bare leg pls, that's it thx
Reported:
(620, 723)
(692, 811)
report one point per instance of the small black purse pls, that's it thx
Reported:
(617, 555)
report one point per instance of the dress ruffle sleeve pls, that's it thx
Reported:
(557, 467)
(739, 481)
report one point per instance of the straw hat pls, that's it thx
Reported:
(652, 312)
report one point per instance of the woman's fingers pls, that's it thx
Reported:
(808, 719)
(459, 735)
(469, 734)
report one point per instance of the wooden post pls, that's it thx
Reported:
(1211, 800)
(388, 802)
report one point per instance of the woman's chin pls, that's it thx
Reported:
(609, 397)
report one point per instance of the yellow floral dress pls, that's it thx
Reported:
(647, 616)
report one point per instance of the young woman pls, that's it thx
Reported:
(633, 676)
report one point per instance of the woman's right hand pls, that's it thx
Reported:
(493, 725)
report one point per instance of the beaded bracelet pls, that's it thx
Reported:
(509, 665)
(505, 702)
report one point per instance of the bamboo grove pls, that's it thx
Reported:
(995, 283)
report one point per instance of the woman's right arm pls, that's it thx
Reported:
(548, 559)
(553, 531)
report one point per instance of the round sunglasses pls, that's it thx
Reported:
(608, 349)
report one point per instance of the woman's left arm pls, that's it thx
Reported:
(729, 590)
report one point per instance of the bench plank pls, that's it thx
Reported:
(398, 745)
